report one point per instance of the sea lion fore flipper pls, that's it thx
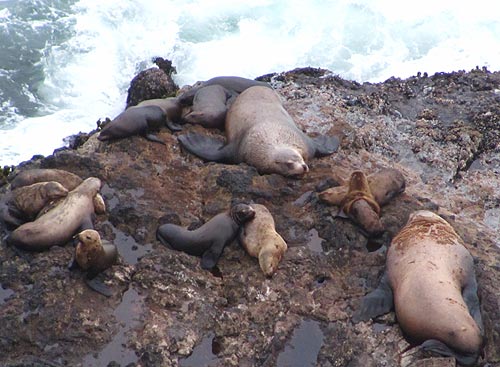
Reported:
(154, 138)
(376, 303)
(471, 299)
(436, 346)
(325, 145)
(210, 257)
(98, 286)
(207, 148)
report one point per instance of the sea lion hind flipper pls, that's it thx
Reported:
(98, 286)
(376, 303)
(437, 346)
(206, 147)
(173, 126)
(154, 139)
(325, 145)
(210, 257)
(471, 299)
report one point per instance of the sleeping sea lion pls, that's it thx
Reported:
(385, 184)
(209, 240)
(172, 109)
(209, 107)
(28, 177)
(430, 281)
(360, 206)
(260, 240)
(58, 225)
(136, 120)
(261, 133)
(94, 256)
(233, 84)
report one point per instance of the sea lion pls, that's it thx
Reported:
(384, 184)
(209, 240)
(58, 225)
(209, 107)
(28, 177)
(233, 84)
(429, 278)
(262, 134)
(260, 240)
(29, 200)
(171, 107)
(98, 201)
(94, 256)
(360, 206)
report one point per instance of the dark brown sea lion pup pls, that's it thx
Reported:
(28, 177)
(57, 226)
(209, 107)
(233, 84)
(360, 206)
(94, 256)
(261, 133)
(209, 240)
(260, 239)
(384, 184)
(172, 109)
(430, 281)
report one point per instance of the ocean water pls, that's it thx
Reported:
(66, 63)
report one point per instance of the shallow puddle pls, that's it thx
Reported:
(128, 248)
(303, 348)
(128, 314)
(203, 354)
(314, 242)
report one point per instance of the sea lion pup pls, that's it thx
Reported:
(31, 199)
(209, 240)
(429, 278)
(233, 84)
(135, 121)
(94, 256)
(262, 134)
(28, 177)
(172, 109)
(209, 107)
(57, 226)
(260, 240)
(360, 206)
(384, 184)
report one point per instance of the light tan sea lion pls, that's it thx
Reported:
(430, 281)
(260, 240)
(28, 177)
(29, 200)
(384, 186)
(94, 256)
(262, 134)
(58, 225)
(209, 240)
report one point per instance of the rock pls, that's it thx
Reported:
(441, 131)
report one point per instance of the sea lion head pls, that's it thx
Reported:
(270, 257)
(88, 248)
(242, 213)
(54, 190)
(99, 205)
(288, 162)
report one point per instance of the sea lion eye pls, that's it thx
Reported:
(88, 237)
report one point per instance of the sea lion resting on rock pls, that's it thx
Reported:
(261, 133)
(57, 226)
(28, 177)
(94, 256)
(260, 240)
(430, 280)
(209, 240)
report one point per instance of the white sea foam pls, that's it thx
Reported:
(86, 77)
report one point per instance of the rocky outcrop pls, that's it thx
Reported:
(441, 131)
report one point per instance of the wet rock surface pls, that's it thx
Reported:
(441, 131)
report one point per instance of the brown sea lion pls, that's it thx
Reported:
(136, 120)
(360, 206)
(384, 184)
(260, 240)
(28, 177)
(58, 225)
(261, 133)
(172, 109)
(209, 107)
(430, 281)
(209, 240)
(232, 84)
(29, 200)
(94, 256)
